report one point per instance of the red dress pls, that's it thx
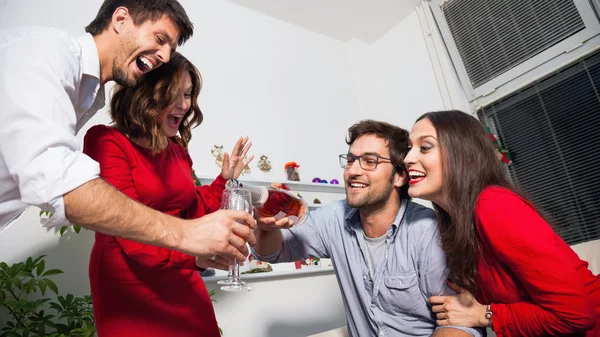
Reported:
(139, 289)
(535, 282)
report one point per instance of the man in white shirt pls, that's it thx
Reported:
(51, 84)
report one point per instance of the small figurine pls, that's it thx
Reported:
(264, 164)
(316, 201)
(217, 152)
(291, 170)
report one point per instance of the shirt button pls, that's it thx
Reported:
(381, 333)
(365, 277)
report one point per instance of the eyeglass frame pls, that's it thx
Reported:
(344, 156)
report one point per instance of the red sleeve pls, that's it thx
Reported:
(208, 197)
(109, 148)
(528, 246)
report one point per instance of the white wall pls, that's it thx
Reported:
(292, 91)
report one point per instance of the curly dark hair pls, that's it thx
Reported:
(396, 139)
(135, 110)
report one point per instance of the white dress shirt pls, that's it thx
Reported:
(49, 88)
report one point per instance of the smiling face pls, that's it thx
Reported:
(371, 190)
(171, 117)
(141, 48)
(424, 163)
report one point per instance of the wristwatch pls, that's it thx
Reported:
(488, 316)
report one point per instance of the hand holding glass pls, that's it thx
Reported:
(236, 199)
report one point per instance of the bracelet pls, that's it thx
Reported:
(488, 316)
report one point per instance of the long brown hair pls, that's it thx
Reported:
(135, 110)
(396, 139)
(469, 165)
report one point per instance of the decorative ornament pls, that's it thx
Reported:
(317, 201)
(264, 164)
(502, 153)
(334, 182)
(291, 170)
(217, 152)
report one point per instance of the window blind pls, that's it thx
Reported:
(551, 130)
(493, 36)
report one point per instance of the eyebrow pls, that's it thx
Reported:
(427, 136)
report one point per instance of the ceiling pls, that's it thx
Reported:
(364, 20)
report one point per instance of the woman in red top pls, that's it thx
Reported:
(138, 289)
(498, 246)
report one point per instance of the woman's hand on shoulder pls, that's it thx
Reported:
(234, 164)
(461, 309)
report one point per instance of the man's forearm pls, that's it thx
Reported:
(98, 206)
(267, 241)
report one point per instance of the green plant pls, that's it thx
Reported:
(65, 317)
(211, 293)
(63, 229)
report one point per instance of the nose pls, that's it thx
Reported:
(164, 54)
(182, 103)
(409, 158)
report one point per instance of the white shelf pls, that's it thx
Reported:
(274, 274)
(293, 185)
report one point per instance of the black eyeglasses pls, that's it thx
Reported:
(367, 162)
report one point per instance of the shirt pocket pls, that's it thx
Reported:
(402, 294)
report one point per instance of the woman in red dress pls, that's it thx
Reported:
(139, 289)
(527, 281)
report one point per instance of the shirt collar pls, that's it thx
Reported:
(353, 219)
(89, 55)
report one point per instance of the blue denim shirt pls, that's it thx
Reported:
(394, 302)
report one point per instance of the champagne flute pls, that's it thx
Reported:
(236, 199)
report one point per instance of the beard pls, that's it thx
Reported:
(120, 67)
(372, 199)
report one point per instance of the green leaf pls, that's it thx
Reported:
(40, 267)
(42, 286)
(38, 259)
(3, 265)
(70, 298)
(77, 228)
(52, 272)
(17, 282)
(2, 296)
(25, 332)
(41, 212)
(51, 285)
(41, 330)
(63, 229)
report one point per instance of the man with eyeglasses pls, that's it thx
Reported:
(384, 247)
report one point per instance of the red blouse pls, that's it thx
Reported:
(535, 282)
(139, 289)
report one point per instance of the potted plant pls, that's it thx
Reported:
(34, 315)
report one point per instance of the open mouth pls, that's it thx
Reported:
(144, 64)
(356, 185)
(416, 176)
(174, 120)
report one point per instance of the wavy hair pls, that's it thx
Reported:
(135, 111)
(469, 165)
